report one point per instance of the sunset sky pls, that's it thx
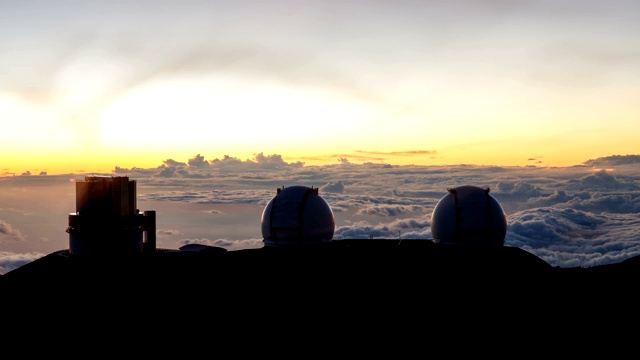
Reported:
(90, 85)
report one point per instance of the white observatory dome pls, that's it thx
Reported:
(468, 215)
(297, 215)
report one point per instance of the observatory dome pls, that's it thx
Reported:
(297, 215)
(468, 215)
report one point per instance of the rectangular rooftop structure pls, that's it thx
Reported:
(106, 196)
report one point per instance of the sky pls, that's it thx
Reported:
(89, 85)
(575, 216)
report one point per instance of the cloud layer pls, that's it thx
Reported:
(583, 215)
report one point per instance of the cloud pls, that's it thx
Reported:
(571, 238)
(9, 234)
(198, 161)
(10, 261)
(396, 229)
(518, 190)
(333, 187)
(605, 180)
(174, 164)
(211, 196)
(199, 168)
(388, 210)
(168, 171)
(580, 62)
(610, 203)
(167, 232)
(614, 160)
(568, 216)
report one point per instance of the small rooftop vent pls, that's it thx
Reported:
(297, 215)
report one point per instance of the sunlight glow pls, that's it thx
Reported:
(224, 112)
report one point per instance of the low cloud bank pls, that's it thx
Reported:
(583, 215)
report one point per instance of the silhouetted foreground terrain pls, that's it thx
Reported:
(305, 294)
(360, 295)
(363, 270)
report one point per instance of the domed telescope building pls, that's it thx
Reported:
(468, 215)
(297, 215)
